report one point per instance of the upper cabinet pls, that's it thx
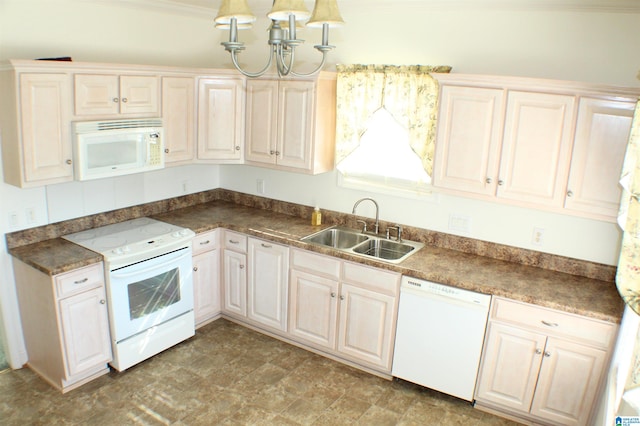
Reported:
(290, 124)
(221, 119)
(114, 95)
(34, 120)
(178, 119)
(544, 144)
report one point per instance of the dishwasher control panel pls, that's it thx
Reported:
(414, 284)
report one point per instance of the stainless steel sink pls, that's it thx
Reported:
(384, 249)
(340, 238)
(368, 245)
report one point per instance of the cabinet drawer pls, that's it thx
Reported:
(206, 241)
(554, 322)
(79, 280)
(371, 278)
(235, 241)
(316, 263)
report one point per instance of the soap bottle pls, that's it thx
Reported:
(316, 217)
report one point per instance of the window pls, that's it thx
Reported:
(385, 134)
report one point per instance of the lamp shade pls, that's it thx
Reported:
(238, 9)
(325, 12)
(283, 8)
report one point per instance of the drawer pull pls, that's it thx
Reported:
(234, 242)
(82, 281)
(266, 245)
(549, 324)
(203, 243)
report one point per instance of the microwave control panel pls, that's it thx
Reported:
(155, 150)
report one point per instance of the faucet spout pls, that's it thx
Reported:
(377, 210)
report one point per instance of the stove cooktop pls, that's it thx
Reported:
(132, 239)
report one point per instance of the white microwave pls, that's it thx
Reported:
(117, 147)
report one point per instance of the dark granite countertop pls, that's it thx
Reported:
(570, 293)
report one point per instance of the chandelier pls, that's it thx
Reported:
(235, 15)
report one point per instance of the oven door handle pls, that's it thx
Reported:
(175, 262)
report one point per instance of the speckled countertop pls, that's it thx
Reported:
(570, 293)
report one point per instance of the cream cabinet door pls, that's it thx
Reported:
(313, 309)
(267, 283)
(568, 382)
(46, 132)
(111, 94)
(235, 282)
(602, 132)
(295, 121)
(206, 286)
(178, 118)
(469, 138)
(221, 120)
(85, 331)
(262, 121)
(510, 366)
(366, 326)
(536, 146)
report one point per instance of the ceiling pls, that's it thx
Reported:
(593, 5)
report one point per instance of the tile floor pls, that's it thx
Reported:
(229, 375)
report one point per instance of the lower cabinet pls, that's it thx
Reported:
(65, 323)
(206, 277)
(542, 365)
(267, 280)
(234, 272)
(344, 308)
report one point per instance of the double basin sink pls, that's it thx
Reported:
(369, 245)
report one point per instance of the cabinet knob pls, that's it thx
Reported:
(341, 297)
(538, 351)
(68, 162)
(116, 100)
(125, 100)
(569, 193)
(102, 301)
(277, 152)
(166, 151)
(488, 180)
(195, 269)
(272, 152)
(241, 266)
(237, 148)
(333, 294)
(547, 354)
(500, 182)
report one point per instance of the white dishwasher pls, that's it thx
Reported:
(439, 336)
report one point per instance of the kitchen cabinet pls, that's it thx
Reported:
(234, 260)
(206, 277)
(65, 324)
(267, 283)
(36, 127)
(345, 308)
(221, 120)
(602, 133)
(178, 119)
(541, 364)
(535, 143)
(113, 95)
(290, 124)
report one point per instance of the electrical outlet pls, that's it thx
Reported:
(460, 223)
(185, 186)
(260, 186)
(30, 215)
(14, 220)
(537, 239)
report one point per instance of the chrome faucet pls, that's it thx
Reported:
(377, 211)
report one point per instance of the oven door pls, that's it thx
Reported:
(149, 293)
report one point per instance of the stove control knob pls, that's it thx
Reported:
(117, 251)
(126, 249)
(176, 234)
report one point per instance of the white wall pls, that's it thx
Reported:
(486, 38)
